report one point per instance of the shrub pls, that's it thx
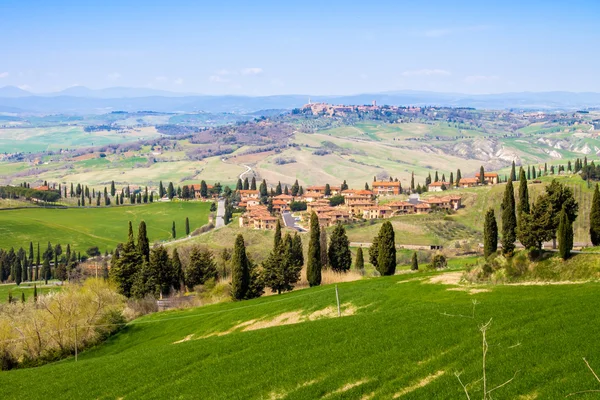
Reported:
(439, 261)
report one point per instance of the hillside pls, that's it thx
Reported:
(397, 338)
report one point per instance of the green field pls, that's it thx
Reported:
(102, 227)
(26, 287)
(406, 339)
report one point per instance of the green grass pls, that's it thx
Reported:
(26, 287)
(398, 337)
(102, 227)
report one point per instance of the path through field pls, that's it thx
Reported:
(220, 214)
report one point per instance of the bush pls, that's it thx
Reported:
(439, 261)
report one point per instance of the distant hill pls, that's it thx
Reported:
(80, 100)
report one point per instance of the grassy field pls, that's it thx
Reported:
(26, 287)
(102, 227)
(401, 337)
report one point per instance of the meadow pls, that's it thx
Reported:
(26, 288)
(398, 337)
(104, 227)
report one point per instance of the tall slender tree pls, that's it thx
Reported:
(339, 255)
(359, 262)
(523, 193)
(240, 271)
(595, 218)
(313, 269)
(173, 230)
(509, 220)
(482, 175)
(565, 235)
(187, 226)
(386, 252)
(277, 238)
(143, 243)
(490, 233)
(414, 262)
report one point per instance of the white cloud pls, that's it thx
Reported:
(481, 78)
(3, 74)
(113, 76)
(426, 72)
(24, 87)
(178, 81)
(252, 71)
(218, 79)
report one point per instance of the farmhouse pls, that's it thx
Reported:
(402, 207)
(490, 178)
(386, 188)
(438, 186)
(377, 212)
(258, 217)
(468, 182)
(321, 189)
(250, 193)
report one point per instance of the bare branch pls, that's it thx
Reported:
(457, 375)
(583, 391)
(508, 381)
(588, 365)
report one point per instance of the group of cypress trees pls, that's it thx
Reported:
(138, 270)
(549, 217)
(21, 266)
(281, 269)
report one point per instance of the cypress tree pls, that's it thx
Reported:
(253, 183)
(323, 244)
(386, 252)
(173, 231)
(35, 294)
(327, 190)
(451, 179)
(458, 177)
(595, 218)
(565, 235)
(246, 184)
(46, 269)
(359, 263)
(523, 193)
(414, 263)
(113, 190)
(187, 226)
(313, 269)
(344, 185)
(171, 191)
(278, 189)
(277, 238)
(201, 268)
(240, 272)
(178, 276)
(436, 179)
(339, 255)
(239, 185)
(30, 252)
(490, 233)
(143, 243)
(481, 175)
(509, 220)
(203, 189)
(295, 188)
(412, 182)
(513, 174)
(297, 253)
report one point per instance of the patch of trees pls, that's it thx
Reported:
(173, 130)
(15, 192)
(97, 128)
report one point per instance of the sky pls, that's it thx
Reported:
(301, 47)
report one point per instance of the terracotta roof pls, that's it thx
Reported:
(249, 192)
(42, 188)
(487, 175)
(423, 205)
(386, 184)
(284, 197)
(439, 183)
(468, 180)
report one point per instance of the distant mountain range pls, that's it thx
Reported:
(82, 100)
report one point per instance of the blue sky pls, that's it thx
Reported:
(334, 47)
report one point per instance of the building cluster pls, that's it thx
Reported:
(490, 178)
(357, 204)
(342, 110)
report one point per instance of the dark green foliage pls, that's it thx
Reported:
(201, 268)
(509, 220)
(490, 234)
(439, 261)
(565, 235)
(143, 243)
(313, 269)
(278, 189)
(336, 200)
(458, 177)
(595, 218)
(340, 258)
(374, 251)
(386, 257)
(203, 189)
(155, 277)
(359, 262)
(171, 191)
(124, 267)
(323, 246)
(213, 207)
(246, 184)
(298, 206)
(240, 271)
(35, 293)
(297, 254)
(295, 188)
(513, 173)
(536, 227)
(253, 183)
(327, 190)
(281, 271)
(178, 275)
(187, 226)
(561, 197)
(173, 231)
(523, 193)
(277, 237)
(344, 186)
(414, 262)
(482, 175)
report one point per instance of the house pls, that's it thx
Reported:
(352, 196)
(43, 188)
(377, 212)
(248, 202)
(437, 186)
(468, 182)
(357, 208)
(316, 205)
(402, 207)
(196, 189)
(312, 196)
(280, 205)
(330, 218)
(255, 194)
(423, 208)
(490, 178)
(321, 189)
(387, 188)
(258, 217)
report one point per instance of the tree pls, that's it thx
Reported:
(523, 193)
(143, 243)
(93, 251)
(451, 182)
(490, 234)
(35, 293)
(412, 181)
(295, 188)
(565, 235)
(414, 262)
(344, 186)
(203, 189)
(561, 197)
(297, 253)
(277, 238)
(173, 231)
(201, 268)
(339, 255)
(439, 261)
(30, 258)
(513, 174)
(240, 271)
(535, 227)
(46, 270)
(246, 184)
(239, 185)
(374, 251)
(595, 218)
(253, 183)
(327, 190)
(436, 179)
(213, 207)
(323, 247)
(482, 175)
(177, 267)
(171, 191)
(458, 177)
(187, 226)
(386, 252)
(113, 190)
(359, 262)
(280, 271)
(509, 220)
(313, 268)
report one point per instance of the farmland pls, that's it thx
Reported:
(404, 340)
(103, 227)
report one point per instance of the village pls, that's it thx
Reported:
(363, 204)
